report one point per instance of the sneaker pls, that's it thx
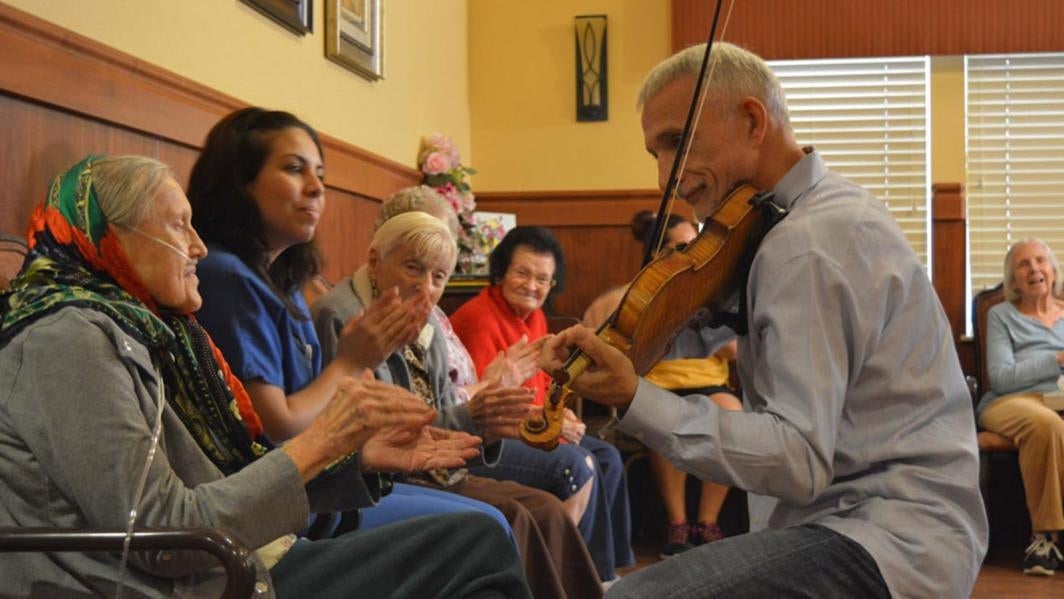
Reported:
(705, 533)
(677, 540)
(1042, 556)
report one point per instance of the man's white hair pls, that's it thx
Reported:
(736, 72)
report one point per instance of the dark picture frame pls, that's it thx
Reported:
(295, 15)
(354, 36)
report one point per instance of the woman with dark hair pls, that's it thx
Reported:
(525, 269)
(257, 193)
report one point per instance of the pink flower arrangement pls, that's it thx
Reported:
(441, 164)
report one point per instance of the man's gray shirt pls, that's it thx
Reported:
(859, 418)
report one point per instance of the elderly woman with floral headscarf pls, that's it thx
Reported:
(117, 406)
(414, 253)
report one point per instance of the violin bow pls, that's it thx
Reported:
(694, 115)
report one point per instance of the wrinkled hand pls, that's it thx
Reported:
(572, 428)
(611, 378)
(387, 324)
(511, 368)
(360, 408)
(498, 411)
(403, 450)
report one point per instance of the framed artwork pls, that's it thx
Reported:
(295, 15)
(353, 36)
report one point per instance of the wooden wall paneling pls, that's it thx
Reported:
(43, 141)
(570, 208)
(948, 233)
(783, 29)
(597, 258)
(48, 65)
(344, 232)
(63, 96)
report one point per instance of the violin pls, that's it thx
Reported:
(689, 283)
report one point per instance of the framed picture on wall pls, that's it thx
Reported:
(353, 36)
(295, 15)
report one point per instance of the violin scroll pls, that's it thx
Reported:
(543, 432)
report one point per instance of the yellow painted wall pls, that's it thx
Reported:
(947, 119)
(228, 46)
(523, 86)
(496, 75)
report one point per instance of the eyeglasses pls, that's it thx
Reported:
(522, 276)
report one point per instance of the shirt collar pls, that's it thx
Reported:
(802, 177)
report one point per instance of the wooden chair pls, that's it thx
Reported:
(235, 558)
(981, 304)
(1000, 481)
(12, 254)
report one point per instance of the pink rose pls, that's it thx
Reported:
(439, 142)
(450, 193)
(436, 164)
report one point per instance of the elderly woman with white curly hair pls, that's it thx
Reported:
(1025, 359)
(413, 254)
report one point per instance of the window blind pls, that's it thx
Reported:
(869, 118)
(1014, 157)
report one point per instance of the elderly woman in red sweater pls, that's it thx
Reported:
(525, 269)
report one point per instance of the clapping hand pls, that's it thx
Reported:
(386, 325)
(511, 368)
(358, 410)
(498, 411)
(572, 428)
(404, 450)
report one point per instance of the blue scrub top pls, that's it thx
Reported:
(250, 324)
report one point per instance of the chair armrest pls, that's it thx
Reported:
(235, 558)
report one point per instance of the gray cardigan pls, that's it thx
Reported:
(77, 404)
(345, 301)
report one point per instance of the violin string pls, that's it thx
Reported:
(703, 94)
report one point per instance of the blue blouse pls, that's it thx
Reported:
(1021, 353)
(251, 326)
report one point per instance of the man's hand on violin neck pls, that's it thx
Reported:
(610, 380)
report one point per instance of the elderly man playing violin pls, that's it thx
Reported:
(858, 430)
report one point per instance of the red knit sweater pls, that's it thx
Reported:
(488, 325)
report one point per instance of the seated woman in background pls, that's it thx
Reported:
(415, 252)
(1024, 358)
(687, 375)
(101, 359)
(257, 194)
(525, 268)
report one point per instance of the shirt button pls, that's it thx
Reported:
(261, 587)
(568, 473)
(574, 488)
